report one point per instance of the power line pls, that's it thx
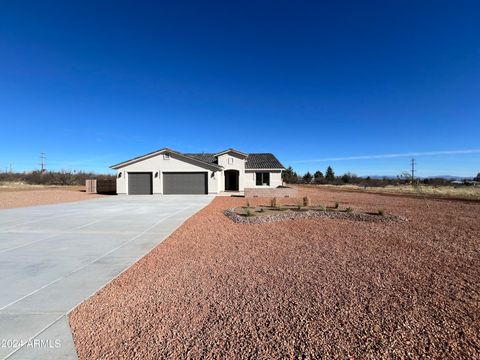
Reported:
(42, 163)
(413, 169)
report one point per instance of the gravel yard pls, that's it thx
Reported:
(13, 197)
(298, 288)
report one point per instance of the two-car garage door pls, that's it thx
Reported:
(173, 183)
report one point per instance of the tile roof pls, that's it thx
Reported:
(254, 161)
(263, 161)
(208, 158)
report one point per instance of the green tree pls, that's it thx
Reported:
(477, 178)
(307, 178)
(289, 176)
(318, 176)
(329, 174)
(346, 178)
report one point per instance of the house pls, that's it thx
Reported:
(170, 172)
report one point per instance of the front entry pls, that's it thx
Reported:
(231, 180)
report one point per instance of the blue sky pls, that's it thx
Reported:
(316, 83)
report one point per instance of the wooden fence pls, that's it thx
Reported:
(94, 186)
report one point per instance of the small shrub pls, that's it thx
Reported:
(262, 210)
(306, 201)
(299, 207)
(349, 209)
(381, 212)
(249, 212)
(274, 202)
(321, 208)
(248, 204)
(337, 205)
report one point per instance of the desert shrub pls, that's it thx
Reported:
(249, 212)
(321, 208)
(299, 207)
(381, 212)
(262, 210)
(306, 201)
(248, 203)
(349, 209)
(337, 205)
(274, 202)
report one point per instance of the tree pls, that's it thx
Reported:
(346, 178)
(477, 178)
(329, 174)
(307, 178)
(289, 176)
(318, 176)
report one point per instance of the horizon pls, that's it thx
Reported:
(361, 87)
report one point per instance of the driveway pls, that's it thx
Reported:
(53, 257)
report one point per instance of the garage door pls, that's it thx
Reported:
(185, 183)
(139, 183)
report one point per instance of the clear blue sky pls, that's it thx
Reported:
(92, 83)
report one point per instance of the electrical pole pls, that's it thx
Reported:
(42, 159)
(413, 169)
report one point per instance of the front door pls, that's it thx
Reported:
(231, 180)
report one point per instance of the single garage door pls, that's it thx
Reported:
(185, 183)
(139, 183)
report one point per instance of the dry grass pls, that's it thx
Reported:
(446, 192)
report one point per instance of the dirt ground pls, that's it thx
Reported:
(20, 196)
(317, 288)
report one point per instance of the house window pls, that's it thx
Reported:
(230, 161)
(166, 156)
(262, 178)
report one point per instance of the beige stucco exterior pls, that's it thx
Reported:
(158, 163)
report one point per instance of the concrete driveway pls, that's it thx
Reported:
(53, 257)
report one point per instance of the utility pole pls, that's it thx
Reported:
(413, 169)
(42, 163)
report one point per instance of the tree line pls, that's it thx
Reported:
(62, 177)
(289, 176)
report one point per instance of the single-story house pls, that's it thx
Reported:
(167, 171)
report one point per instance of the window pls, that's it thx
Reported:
(166, 156)
(230, 161)
(262, 178)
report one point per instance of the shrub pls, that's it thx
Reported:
(349, 209)
(274, 202)
(249, 212)
(306, 201)
(261, 210)
(248, 203)
(299, 207)
(337, 205)
(381, 212)
(321, 208)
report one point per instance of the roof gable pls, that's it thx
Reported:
(231, 151)
(161, 151)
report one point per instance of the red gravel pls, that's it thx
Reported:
(14, 197)
(298, 288)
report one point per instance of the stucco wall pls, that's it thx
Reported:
(275, 179)
(159, 164)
